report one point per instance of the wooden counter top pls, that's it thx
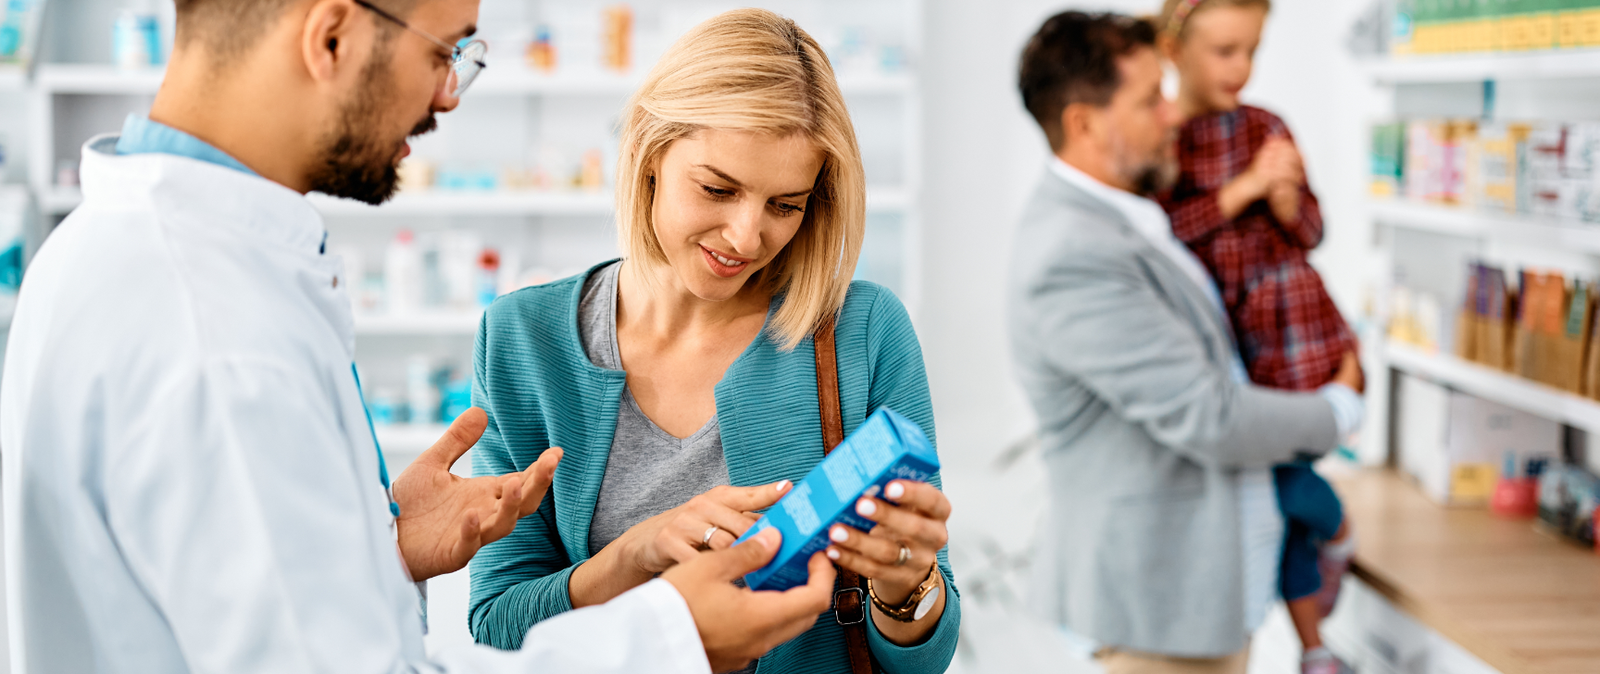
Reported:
(1523, 601)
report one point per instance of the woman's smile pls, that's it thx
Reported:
(724, 265)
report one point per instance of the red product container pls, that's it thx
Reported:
(1515, 498)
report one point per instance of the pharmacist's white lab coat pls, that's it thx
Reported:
(190, 482)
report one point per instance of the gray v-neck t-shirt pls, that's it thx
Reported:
(649, 471)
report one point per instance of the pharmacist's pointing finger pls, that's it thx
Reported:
(919, 496)
(748, 556)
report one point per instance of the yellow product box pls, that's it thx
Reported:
(1494, 160)
(1450, 35)
(1494, 33)
(1427, 39)
(1588, 27)
(1517, 33)
(1471, 483)
(1569, 30)
(1542, 31)
(1480, 35)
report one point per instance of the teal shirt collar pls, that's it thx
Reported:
(141, 136)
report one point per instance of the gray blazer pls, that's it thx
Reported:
(1143, 429)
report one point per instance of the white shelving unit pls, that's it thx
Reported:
(1513, 235)
(403, 442)
(1494, 385)
(78, 78)
(1431, 69)
(429, 323)
(12, 78)
(1572, 235)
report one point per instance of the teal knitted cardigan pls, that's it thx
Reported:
(540, 390)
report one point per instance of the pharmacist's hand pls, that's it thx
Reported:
(1350, 373)
(444, 519)
(913, 515)
(737, 625)
(679, 535)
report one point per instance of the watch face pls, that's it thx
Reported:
(926, 605)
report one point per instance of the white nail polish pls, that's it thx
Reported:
(833, 554)
(895, 490)
(783, 486)
(839, 535)
(866, 507)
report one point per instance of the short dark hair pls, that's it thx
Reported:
(228, 29)
(1073, 59)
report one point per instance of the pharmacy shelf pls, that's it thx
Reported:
(83, 78)
(441, 202)
(1497, 386)
(61, 200)
(74, 78)
(1567, 234)
(12, 78)
(422, 323)
(1558, 64)
(407, 440)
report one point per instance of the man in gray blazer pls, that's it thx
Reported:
(1163, 533)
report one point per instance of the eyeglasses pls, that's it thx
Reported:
(466, 60)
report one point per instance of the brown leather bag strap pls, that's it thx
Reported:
(849, 596)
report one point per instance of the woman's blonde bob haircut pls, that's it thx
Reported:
(752, 70)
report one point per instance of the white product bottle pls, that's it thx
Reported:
(458, 266)
(421, 397)
(402, 274)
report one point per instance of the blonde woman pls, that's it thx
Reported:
(688, 366)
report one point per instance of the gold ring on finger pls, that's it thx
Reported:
(905, 556)
(705, 541)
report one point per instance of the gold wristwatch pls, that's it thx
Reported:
(916, 606)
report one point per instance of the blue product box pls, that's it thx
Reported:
(887, 446)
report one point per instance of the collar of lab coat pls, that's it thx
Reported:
(202, 192)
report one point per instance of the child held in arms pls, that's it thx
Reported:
(1243, 206)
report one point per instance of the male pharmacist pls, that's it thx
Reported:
(191, 480)
(1161, 544)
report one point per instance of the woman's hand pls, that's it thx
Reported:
(913, 516)
(668, 539)
(677, 535)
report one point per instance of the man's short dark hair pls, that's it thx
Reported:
(228, 29)
(1073, 59)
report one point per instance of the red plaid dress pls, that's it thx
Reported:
(1290, 334)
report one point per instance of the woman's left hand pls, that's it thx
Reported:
(913, 515)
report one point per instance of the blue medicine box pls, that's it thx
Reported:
(887, 446)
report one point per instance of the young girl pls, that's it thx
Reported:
(1243, 206)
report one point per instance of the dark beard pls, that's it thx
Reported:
(1155, 179)
(355, 164)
